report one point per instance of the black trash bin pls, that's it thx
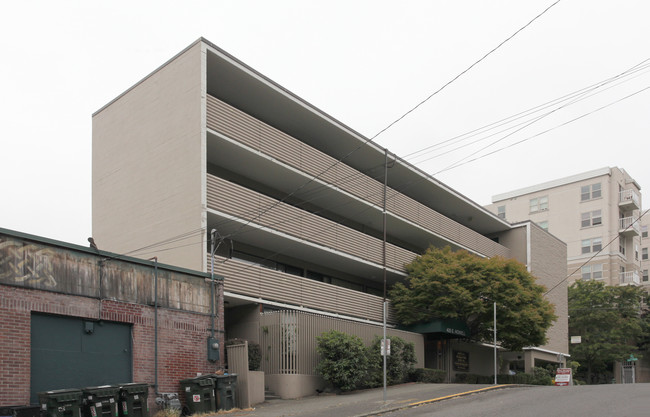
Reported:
(225, 391)
(20, 411)
(133, 400)
(100, 401)
(60, 403)
(199, 395)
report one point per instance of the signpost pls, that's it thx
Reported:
(563, 377)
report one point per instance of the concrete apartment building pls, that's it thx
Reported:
(297, 201)
(588, 211)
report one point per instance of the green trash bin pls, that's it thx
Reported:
(133, 400)
(225, 391)
(199, 395)
(60, 403)
(100, 401)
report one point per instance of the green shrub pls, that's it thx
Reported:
(343, 359)
(473, 379)
(427, 375)
(515, 379)
(541, 376)
(398, 365)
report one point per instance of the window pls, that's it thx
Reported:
(538, 204)
(636, 252)
(501, 212)
(644, 231)
(590, 192)
(621, 245)
(592, 245)
(644, 254)
(644, 275)
(591, 218)
(590, 272)
(543, 225)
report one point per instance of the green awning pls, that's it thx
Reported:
(450, 327)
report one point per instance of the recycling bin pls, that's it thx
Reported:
(225, 391)
(133, 400)
(100, 401)
(60, 403)
(199, 394)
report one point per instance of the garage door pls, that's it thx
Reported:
(76, 353)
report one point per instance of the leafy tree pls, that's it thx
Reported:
(343, 359)
(609, 322)
(458, 285)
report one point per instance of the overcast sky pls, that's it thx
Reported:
(366, 63)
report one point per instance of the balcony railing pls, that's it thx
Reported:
(629, 198)
(247, 204)
(629, 278)
(247, 130)
(270, 285)
(629, 226)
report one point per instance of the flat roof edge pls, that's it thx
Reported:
(550, 184)
(101, 253)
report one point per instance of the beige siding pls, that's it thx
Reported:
(246, 204)
(288, 340)
(548, 264)
(245, 129)
(267, 284)
(147, 165)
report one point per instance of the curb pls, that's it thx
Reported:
(434, 400)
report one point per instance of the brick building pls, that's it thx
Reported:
(72, 317)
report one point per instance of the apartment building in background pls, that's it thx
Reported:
(596, 214)
(296, 201)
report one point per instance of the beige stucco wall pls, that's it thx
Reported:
(564, 220)
(148, 167)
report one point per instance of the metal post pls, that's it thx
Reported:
(213, 233)
(384, 263)
(495, 343)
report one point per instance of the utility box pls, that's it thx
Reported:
(199, 395)
(60, 403)
(100, 401)
(133, 400)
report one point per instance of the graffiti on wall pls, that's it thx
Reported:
(26, 264)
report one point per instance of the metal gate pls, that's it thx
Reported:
(627, 373)
(68, 352)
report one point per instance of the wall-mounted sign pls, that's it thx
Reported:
(461, 360)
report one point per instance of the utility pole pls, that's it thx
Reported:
(385, 345)
(495, 343)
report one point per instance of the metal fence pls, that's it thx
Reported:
(288, 339)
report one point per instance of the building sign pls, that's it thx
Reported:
(461, 361)
(563, 377)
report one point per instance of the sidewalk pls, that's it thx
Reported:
(367, 402)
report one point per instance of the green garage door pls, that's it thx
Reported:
(75, 353)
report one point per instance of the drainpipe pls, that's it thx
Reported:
(155, 325)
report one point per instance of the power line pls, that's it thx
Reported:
(369, 140)
(464, 71)
(576, 96)
(597, 253)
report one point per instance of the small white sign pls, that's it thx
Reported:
(576, 339)
(382, 347)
